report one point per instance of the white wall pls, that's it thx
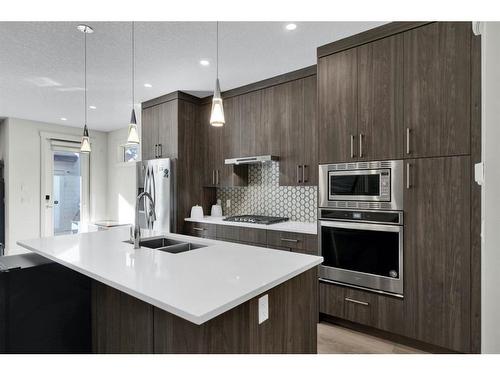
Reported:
(23, 187)
(121, 180)
(490, 262)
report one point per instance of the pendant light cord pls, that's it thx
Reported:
(85, 74)
(217, 53)
(133, 65)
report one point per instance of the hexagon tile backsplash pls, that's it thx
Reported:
(264, 196)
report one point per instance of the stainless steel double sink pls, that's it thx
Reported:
(167, 244)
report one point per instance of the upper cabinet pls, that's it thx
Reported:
(405, 95)
(159, 131)
(337, 90)
(250, 106)
(437, 89)
(360, 102)
(380, 99)
(298, 132)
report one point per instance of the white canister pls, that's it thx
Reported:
(196, 212)
(216, 210)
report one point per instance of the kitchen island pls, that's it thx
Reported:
(219, 298)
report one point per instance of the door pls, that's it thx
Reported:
(149, 131)
(437, 251)
(437, 89)
(337, 90)
(380, 99)
(65, 192)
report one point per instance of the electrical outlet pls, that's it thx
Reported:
(263, 308)
(228, 203)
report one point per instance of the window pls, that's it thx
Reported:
(130, 153)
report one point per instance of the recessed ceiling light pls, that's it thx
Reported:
(204, 62)
(148, 85)
(291, 26)
(92, 107)
(63, 118)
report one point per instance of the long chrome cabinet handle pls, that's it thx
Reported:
(216, 177)
(199, 229)
(298, 174)
(213, 176)
(289, 240)
(360, 145)
(356, 301)
(160, 150)
(408, 184)
(156, 151)
(304, 178)
(352, 146)
(408, 141)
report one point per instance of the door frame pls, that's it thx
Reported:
(46, 181)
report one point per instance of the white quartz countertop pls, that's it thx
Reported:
(286, 226)
(196, 285)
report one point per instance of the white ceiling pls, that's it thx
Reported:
(41, 63)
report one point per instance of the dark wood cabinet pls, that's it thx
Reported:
(437, 251)
(437, 89)
(250, 106)
(159, 131)
(371, 309)
(222, 143)
(250, 236)
(337, 107)
(168, 130)
(203, 230)
(149, 131)
(380, 99)
(296, 242)
(298, 133)
(274, 110)
(360, 102)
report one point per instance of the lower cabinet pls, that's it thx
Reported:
(280, 240)
(202, 230)
(296, 242)
(375, 310)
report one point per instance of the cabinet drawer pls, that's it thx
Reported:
(285, 239)
(253, 236)
(227, 233)
(331, 299)
(203, 230)
(299, 242)
(360, 307)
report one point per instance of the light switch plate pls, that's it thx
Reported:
(479, 173)
(263, 308)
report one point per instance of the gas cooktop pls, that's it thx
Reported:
(256, 219)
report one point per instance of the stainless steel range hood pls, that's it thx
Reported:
(252, 159)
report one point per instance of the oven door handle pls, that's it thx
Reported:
(361, 226)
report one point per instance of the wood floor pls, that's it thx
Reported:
(333, 339)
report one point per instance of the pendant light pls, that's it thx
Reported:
(133, 134)
(85, 146)
(217, 115)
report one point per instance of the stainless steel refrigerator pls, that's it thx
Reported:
(157, 178)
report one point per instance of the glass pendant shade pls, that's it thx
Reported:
(217, 115)
(133, 134)
(85, 146)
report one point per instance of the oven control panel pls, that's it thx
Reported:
(389, 217)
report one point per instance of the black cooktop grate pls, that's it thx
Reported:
(256, 219)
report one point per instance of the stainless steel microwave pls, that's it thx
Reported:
(362, 185)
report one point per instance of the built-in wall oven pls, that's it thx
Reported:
(361, 225)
